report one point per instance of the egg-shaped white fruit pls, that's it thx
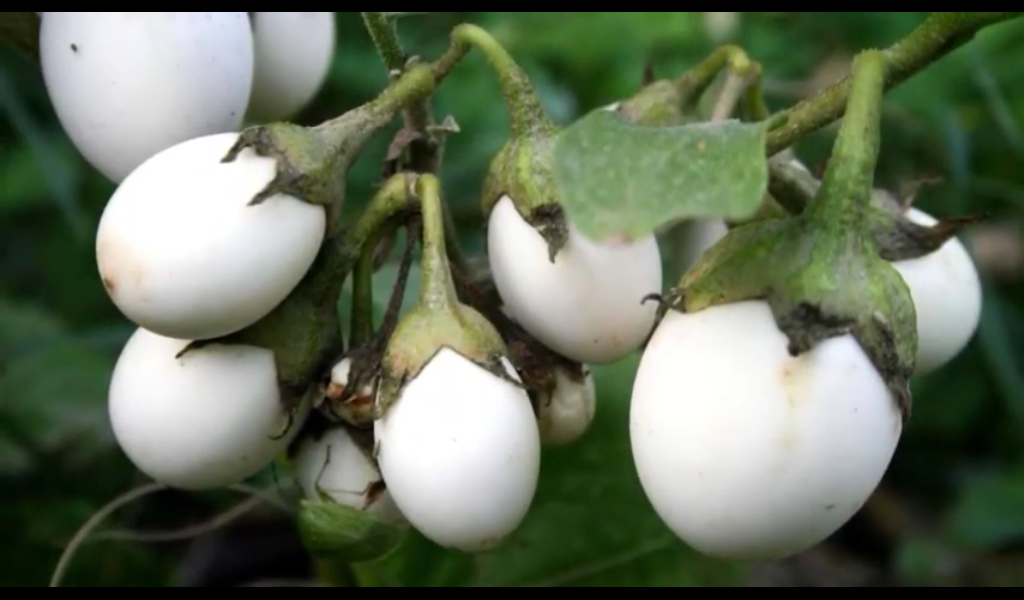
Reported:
(294, 51)
(335, 467)
(126, 85)
(746, 452)
(209, 419)
(460, 453)
(947, 295)
(567, 412)
(182, 253)
(589, 304)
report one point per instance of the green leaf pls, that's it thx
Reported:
(990, 511)
(53, 389)
(23, 177)
(341, 532)
(921, 562)
(621, 179)
(62, 171)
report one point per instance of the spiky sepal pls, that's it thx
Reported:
(423, 333)
(523, 170)
(817, 290)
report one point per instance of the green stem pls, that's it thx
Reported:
(756, 107)
(438, 289)
(940, 34)
(355, 128)
(526, 114)
(696, 81)
(424, 155)
(362, 324)
(845, 196)
(362, 297)
(376, 221)
(393, 198)
(382, 32)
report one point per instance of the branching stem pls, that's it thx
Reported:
(940, 34)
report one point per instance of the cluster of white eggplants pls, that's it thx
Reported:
(743, 450)
(154, 101)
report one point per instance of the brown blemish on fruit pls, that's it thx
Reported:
(794, 381)
(118, 266)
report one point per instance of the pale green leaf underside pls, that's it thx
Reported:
(620, 179)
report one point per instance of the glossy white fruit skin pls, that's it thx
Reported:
(746, 452)
(460, 453)
(126, 85)
(567, 413)
(182, 254)
(587, 305)
(294, 51)
(947, 295)
(334, 465)
(207, 420)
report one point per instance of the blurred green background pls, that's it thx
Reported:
(950, 511)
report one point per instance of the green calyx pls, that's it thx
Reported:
(349, 535)
(671, 102)
(896, 235)
(523, 168)
(524, 171)
(662, 103)
(440, 319)
(821, 271)
(312, 161)
(334, 531)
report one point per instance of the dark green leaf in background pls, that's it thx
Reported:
(52, 388)
(990, 511)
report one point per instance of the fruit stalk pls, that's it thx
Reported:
(392, 200)
(425, 154)
(845, 195)
(350, 132)
(438, 290)
(382, 31)
(692, 84)
(526, 115)
(940, 34)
